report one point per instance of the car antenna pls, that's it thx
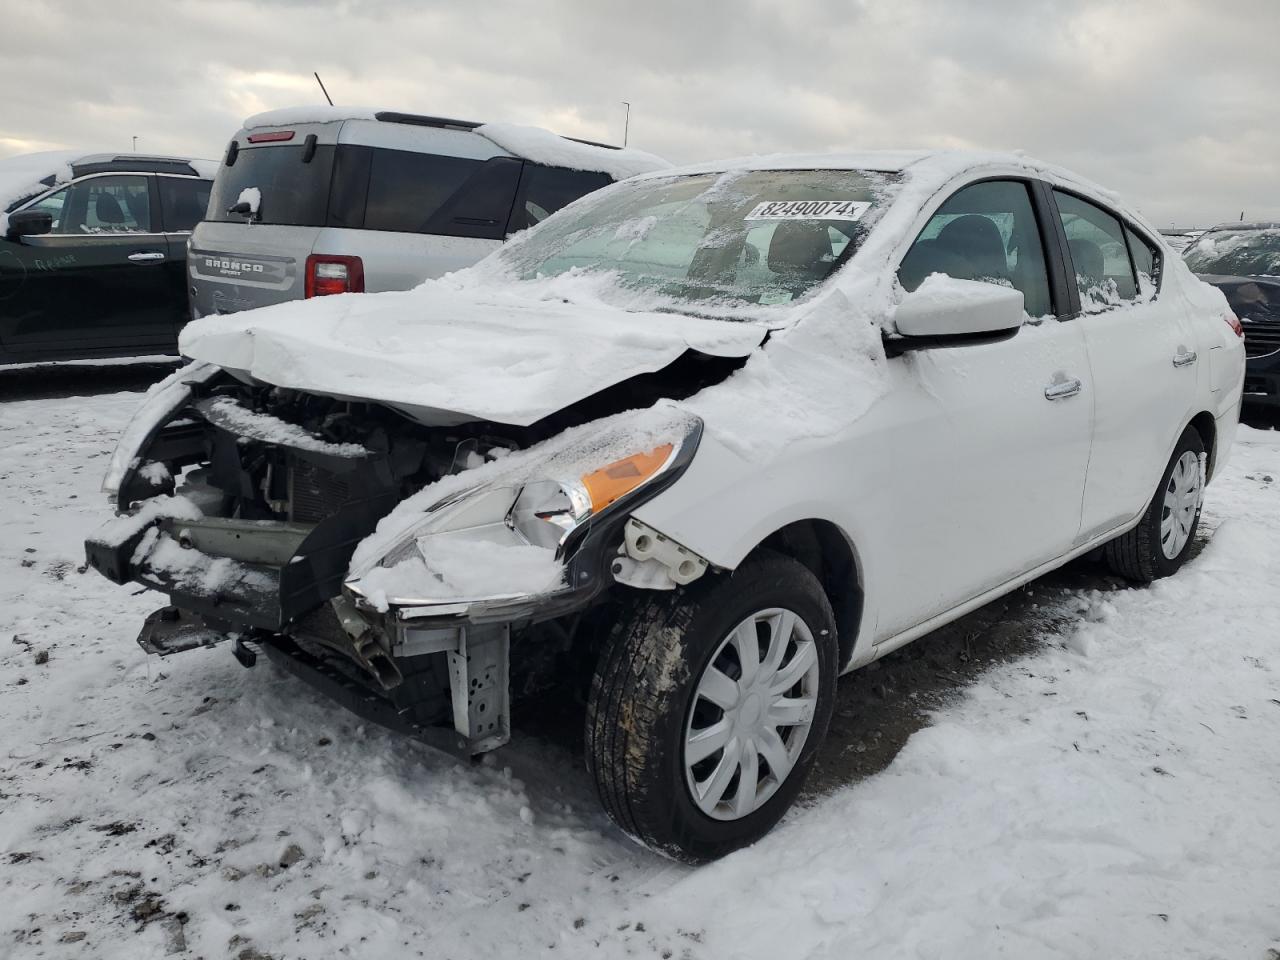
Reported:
(626, 123)
(322, 89)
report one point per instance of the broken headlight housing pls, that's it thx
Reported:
(539, 517)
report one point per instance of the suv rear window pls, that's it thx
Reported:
(293, 193)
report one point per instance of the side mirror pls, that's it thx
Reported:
(29, 223)
(944, 311)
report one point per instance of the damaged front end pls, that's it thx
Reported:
(398, 566)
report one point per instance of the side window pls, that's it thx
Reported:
(988, 232)
(183, 202)
(481, 206)
(544, 190)
(1099, 254)
(1146, 263)
(116, 204)
(52, 205)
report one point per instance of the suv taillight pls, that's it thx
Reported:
(1234, 323)
(328, 274)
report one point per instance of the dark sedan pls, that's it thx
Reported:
(1243, 261)
(95, 266)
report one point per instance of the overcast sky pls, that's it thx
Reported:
(1172, 103)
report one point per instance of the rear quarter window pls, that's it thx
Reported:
(544, 190)
(183, 202)
(1146, 262)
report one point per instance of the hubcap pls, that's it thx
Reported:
(1181, 501)
(751, 714)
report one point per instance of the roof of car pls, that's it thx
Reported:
(137, 163)
(885, 161)
(928, 169)
(529, 143)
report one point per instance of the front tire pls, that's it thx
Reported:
(708, 705)
(1161, 541)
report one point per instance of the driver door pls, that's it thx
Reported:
(97, 279)
(990, 441)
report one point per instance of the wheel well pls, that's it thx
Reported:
(822, 547)
(1207, 427)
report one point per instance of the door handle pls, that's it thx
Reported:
(148, 257)
(1061, 389)
(1184, 358)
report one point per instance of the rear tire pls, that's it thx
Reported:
(669, 663)
(1161, 541)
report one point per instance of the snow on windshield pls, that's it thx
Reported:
(720, 240)
(1237, 253)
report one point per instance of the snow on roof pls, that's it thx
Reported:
(320, 113)
(21, 177)
(543, 146)
(30, 174)
(529, 143)
(929, 169)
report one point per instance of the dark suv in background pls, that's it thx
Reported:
(1243, 261)
(96, 266)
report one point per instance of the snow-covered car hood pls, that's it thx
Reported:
(447, 354)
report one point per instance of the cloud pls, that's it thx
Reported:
(1167, 102)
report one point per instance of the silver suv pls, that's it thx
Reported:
(315, 201)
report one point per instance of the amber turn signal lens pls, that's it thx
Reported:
(619, 478)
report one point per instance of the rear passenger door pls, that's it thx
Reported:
(1142, 354)
(98, 279)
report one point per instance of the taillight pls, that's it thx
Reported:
(1234, 323)
(327, 274)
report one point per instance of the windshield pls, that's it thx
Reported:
(742, 237)
(1236, 253)
(292, 193)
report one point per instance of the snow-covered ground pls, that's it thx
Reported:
(1116, 793)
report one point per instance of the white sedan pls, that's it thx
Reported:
(712, 435)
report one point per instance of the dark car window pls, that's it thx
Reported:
(183, 202)
(1251, 252)
(292, 193)
(52, 205)
(105, 205)
(1099, 254)
(544, 190)
(987, 232)
(1146, 262)
(451, 196)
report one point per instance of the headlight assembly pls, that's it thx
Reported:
(505, 531)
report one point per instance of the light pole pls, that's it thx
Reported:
(135, 144)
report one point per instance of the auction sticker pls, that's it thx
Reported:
(809, 210)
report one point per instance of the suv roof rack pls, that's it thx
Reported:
(592, 143)
(132, 163)
(421, 120)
